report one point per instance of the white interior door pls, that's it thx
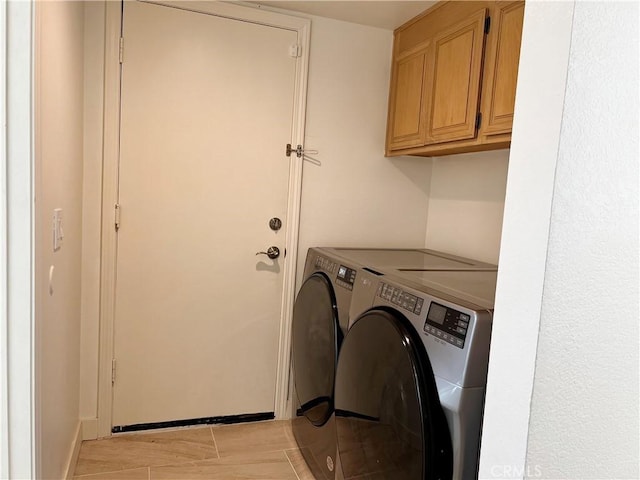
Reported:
(206, 110)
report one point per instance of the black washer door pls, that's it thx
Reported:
(316, 340)
(389, 418)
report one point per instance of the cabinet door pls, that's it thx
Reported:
(405, 126)
(455, 72)
(503, 55)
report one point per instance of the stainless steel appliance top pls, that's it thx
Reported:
(414, 258)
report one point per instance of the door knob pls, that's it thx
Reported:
(272, 253)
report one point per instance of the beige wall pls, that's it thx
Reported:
(355, 196)
(58, 173)
(466, 204)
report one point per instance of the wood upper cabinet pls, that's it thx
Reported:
(502, 56)
(453, 79)
(406, 122)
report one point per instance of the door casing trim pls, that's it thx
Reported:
(111, 137)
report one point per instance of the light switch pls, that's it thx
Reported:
(58, 234)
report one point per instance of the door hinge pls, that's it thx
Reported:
(121, 50)
(295, 50)
(478, 120)
(113, 371)
(117, 216)
(487, 24)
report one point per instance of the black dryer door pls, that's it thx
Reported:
(389, 419)
(316, 340)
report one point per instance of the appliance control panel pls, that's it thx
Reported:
(399, 297)
(346, 277)
(325, 264)
(447, 324)
(442, 322)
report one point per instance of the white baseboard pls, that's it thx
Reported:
(89, 428)
(75, 451)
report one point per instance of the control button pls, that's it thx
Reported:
(463, 324)
(439, 333)
(464, 317)
(461, 330)
(459, 343)
(446, 337)
(419, 303)
(386, 292)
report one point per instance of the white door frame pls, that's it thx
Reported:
(18, 403)
(111, 137)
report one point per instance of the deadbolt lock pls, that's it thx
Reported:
(275, 224)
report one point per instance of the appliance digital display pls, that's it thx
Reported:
(346, 277)
(437, 313)
(447, 324)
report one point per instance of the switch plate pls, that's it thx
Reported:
(58, 234)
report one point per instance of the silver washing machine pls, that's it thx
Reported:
(411, 375)
(320, 320)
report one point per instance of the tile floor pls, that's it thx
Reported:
(261, 450)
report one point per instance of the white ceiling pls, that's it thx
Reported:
(376, 13)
